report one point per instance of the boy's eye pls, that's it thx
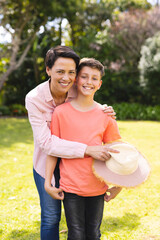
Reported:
(95, 79)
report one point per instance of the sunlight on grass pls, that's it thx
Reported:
(133, 215)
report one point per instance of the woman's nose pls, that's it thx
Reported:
(65, 76)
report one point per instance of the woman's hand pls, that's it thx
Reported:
(54, 192)
(111, 193)
(100, 152)
(109, 110)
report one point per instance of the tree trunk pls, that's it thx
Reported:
(60, 32)
(14, 65)
(5, 75)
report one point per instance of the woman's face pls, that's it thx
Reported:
(63, 74)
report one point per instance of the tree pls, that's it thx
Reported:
(121, 54)
(22, 19)
(149, 66)
(129, 32)
(89, 22)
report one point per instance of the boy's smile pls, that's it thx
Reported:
(88, 81)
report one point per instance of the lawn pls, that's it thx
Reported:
(133, 215)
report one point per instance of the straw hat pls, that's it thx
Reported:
(128, 168)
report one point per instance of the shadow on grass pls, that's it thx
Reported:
(110, 224)
(1, 231)
(24, 234)
(15, 131)
(128, 221)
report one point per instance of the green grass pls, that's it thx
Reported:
(133, 215)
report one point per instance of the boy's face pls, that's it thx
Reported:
(88, 81)
(63, 74)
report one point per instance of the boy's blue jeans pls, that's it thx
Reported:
(83, 216)
(50, 209)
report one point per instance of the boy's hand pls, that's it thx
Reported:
(111, 193)
(109, 110)
(54, 192)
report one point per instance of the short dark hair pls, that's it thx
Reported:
(60, 51)
(92, 63)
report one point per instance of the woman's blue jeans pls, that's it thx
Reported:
(83, 216)
(50, 209)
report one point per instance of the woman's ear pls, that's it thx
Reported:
(48, 71)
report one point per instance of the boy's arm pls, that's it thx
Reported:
(112, 192)
(54, 192)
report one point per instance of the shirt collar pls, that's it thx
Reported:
(72, 93)
(47, 92)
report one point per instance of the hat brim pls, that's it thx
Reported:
(128, 181)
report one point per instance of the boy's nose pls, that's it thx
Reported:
(89, 80)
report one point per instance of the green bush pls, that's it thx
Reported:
(13, 110)
(4, 110)
(136, 111)
(18, 110)
(124, 111)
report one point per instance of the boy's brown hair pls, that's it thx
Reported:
(92, 63)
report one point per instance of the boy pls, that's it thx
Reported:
(83, 121)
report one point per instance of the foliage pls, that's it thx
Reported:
(111, 31)
(4, 111)
(149, 66)
(18, 110)
(13, 110)
(136, 111)
(120, 53)
(132, 215)
(124, 111)
(125, 33)
(22, 19)
(119, 86)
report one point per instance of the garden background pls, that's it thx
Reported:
(125, 36)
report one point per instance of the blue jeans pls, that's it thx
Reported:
(83, 216)
(50, 209)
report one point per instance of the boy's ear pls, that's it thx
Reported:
(100, 84)
(76, 80)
